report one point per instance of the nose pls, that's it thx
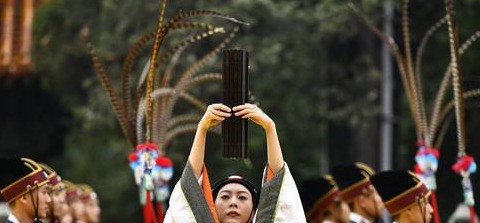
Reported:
(233, 202)
(429, 208)
(379, 201)
(48, 198)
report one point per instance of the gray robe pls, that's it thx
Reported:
(279, 200)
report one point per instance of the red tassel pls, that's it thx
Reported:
(472, 214)
(436, 215)
(148, 212)
(147, 145)
(132, 157)
(417, 169)
(163, 161)
(463, 163)
(420, 143)
(160, 215)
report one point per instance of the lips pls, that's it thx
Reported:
(233, 214)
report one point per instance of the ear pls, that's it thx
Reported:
(404, 216)
(409, 212)
(24, 199)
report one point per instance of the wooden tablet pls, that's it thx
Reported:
(235, 92)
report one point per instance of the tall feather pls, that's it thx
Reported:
(179, 119)
(118, 106)
(164, 100)
(187, 41)
(456, 78)
(134, 52)
(194, 13)
(159, 37)
(423, 43)
(132, 55)
(443, 131)
(398, 56)
(190, 71)
(451, 104)
(167, 101)
(200, 63)
(161, 32)
(177, 131)
(200, 79)
(419, 108)
(437, 105)
(161, 92)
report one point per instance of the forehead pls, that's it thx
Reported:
(45, 187)
(234, 187)
(92, 202)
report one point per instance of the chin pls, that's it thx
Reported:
(42, 214)
(232, 220)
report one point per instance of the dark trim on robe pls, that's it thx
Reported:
(269, 195)
(194, 195)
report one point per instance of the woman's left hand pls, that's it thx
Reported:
(253, 113)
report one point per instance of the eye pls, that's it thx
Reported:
(243, 198)
(224, 197)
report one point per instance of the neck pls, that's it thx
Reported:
(319, 218)
(22, 215)
(329, 218)
(82, 218)
(363, 212)
(402, 218)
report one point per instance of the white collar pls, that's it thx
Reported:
(12, 218)
(354, 217)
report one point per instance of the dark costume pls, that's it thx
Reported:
(399, 189)
(353, 180)
(21, 176)
(317, 195)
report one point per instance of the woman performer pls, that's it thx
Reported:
(235, 199)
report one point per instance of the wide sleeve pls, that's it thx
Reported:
(279, 199)
(191, 199)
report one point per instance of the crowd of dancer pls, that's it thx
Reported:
(36, 193)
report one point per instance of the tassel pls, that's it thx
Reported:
(160, 215)
(436, 214)
(427, 165)
(148, 212)
(472, 214)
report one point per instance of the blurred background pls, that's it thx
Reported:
(316, 69)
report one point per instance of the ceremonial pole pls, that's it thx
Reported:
(386, 139)
(386, 129)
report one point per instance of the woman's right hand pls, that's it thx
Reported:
(215, 114)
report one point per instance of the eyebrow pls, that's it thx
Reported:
(239, 192)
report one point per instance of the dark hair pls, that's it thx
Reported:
(239, 180)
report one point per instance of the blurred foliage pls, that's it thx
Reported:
(314, 70)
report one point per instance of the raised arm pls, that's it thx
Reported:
(215, 114)
(274, 151)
